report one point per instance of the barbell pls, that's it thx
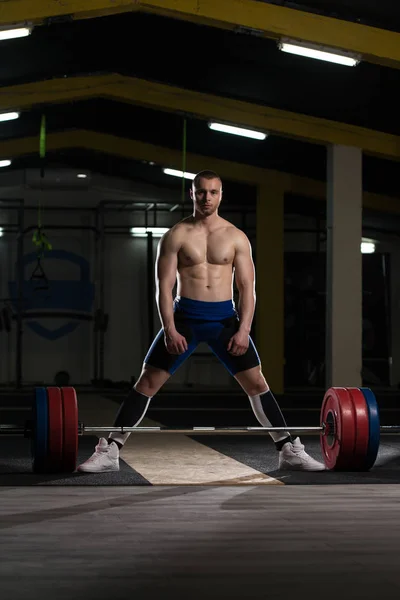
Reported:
(349, 429)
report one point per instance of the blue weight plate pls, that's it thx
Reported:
(374, 428)
(39, 443)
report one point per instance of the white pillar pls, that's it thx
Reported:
(344, 268)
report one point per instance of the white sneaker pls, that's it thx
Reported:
(104, 459)
(293, 457)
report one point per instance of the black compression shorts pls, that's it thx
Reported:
(211, 322)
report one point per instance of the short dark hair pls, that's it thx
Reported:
(205, 175)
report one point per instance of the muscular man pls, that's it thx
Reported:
(203, 253)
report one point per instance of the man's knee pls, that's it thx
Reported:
(252, 381)
(257, 388)
(151, 380)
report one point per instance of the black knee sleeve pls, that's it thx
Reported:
(132, 409)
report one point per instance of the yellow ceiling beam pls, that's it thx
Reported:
(55, 91)
(37, 11)
(291, 124)
(166, 157)
(374, 44)
(132, 149)
(204, 106)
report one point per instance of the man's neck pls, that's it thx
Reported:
(207, 223)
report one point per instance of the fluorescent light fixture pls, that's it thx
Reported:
(176, 173)
(81, 176)
(255, 135)
(367, 246)
(143, 231)
(5, 163)
(1, 232)
(319, 52)
(9, 34)
(10, 116)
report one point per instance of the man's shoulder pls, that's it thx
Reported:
(228, 227)
(234, 231)
(174, 236)
(179, 228)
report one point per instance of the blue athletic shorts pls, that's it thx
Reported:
(211, 322)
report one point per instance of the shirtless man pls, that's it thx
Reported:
(203, 253)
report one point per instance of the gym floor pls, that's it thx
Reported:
(195, 515)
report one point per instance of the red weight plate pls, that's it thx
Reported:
(55, 443)
(362, 428)
(338, 449)
(70, 414)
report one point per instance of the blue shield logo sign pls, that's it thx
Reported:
(72, 297)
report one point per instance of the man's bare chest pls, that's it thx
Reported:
(213, 249)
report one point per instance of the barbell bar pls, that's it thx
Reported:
(349, 429)
(220, 430)
(82, 429)
(199, 430)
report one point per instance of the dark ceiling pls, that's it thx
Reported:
(210, 60)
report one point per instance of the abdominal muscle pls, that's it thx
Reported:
(205, 282)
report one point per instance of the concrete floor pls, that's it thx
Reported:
(193, 542)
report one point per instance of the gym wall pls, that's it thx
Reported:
(54, 342)
(65, 343)
(62, 339)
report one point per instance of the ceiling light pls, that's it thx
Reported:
(368, 246)
(176, 173)
(256, 135)
(319, 52)
(81, 176)
(5, 163)
(10, 116)
(9, 34)
(1, 232)
(143, 231)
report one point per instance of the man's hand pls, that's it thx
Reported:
(238, 343)
(175, 342)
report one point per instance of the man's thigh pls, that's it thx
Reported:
(219, 345)
(158, 355)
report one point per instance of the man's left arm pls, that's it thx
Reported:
(245, 283)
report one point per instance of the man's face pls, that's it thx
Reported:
(207, 196)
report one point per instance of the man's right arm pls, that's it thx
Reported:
(166, 268)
